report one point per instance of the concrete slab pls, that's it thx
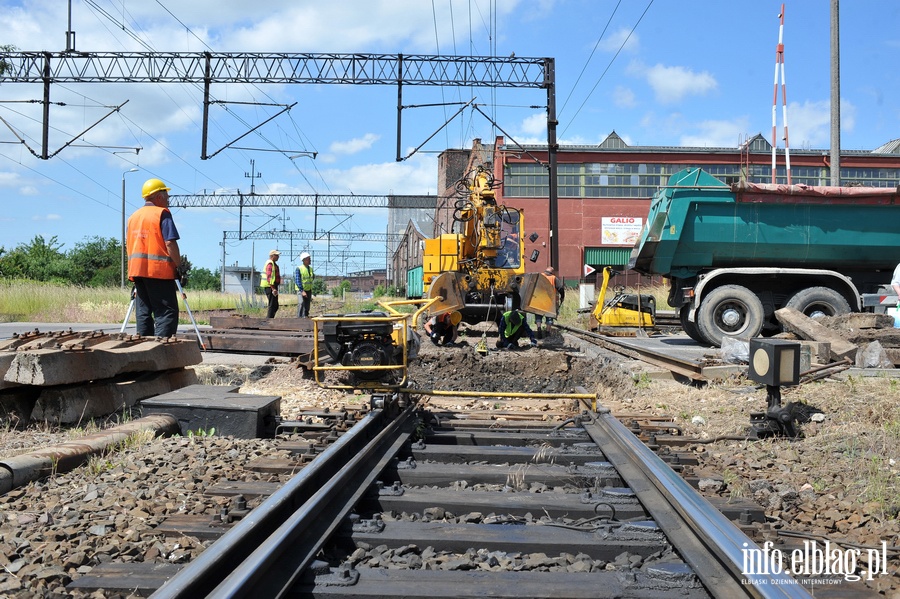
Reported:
(207, 407)
(50, 367)
(81, 402)
(797, 322)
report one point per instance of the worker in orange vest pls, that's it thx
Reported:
(153, 262)
(444, 329)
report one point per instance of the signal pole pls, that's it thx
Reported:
(779, 62)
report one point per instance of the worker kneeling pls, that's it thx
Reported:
(444, 329)
(512, 326)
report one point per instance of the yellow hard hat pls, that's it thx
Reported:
(455, 318)
(151, 186)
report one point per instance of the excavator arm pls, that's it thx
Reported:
(480, 271)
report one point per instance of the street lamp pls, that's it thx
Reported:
(131, 170)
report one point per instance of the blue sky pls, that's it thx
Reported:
(661, 72)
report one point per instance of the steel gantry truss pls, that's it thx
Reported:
(312, 235)
(207, 68)
(287, 200)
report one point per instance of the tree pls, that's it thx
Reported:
(203, 278)
(96, 262)
(38, 260)
(5, 66)
(319, 287)
(339, 290)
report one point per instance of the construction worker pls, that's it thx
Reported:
(271, 279)
(303, 280)
(512, 325)
(444, 329)
(154, 261)
(560, 296)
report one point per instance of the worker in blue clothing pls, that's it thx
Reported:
(303, 280)
(512, 326)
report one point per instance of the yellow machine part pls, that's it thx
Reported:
(615, 316)
(441, 255)
(448, 291)
(614, 319)
(538, 295)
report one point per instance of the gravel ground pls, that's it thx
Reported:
(839, 482)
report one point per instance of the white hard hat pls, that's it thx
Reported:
(304, 256)
(274, 253)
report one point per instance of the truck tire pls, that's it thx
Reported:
(730, 310)
(690, 328)
(819, 301)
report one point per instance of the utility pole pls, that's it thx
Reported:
(835, 95)
(252, 175)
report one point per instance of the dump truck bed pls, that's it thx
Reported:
(698, 223)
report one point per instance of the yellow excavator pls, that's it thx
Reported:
(480, 269)
(626, 314)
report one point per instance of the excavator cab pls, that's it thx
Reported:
(626, 314)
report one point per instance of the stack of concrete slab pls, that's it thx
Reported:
(867, 340)
(69, 377)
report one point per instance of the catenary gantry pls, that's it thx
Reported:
(207, 68)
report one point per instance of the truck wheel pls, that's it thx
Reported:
(819, 301)
(690, 327)
(730, 310)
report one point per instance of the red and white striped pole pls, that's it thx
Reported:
(779, 62)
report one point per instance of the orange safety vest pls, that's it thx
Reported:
(147, 253)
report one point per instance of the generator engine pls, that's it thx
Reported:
(362, 343)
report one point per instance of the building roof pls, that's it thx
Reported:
(756, 143)
(891, 147)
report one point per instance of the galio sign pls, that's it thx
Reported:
(620, 230)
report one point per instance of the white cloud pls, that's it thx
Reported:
(809, 123)
(8, 179)
(38, 217)
(616, 39)
(415, 176)
(535, 124)
(716, 134)
(671, 84)
(352, 146)
(29, 190)
(623, 97)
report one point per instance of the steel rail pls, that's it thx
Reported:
(237, 545)
(710, 543)
(688, 368)
(280, 560)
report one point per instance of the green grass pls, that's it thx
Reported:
(47, 302)
(30, 301)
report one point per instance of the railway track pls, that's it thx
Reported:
(414, 504)
(688, 368)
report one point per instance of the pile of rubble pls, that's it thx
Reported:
(867, 340)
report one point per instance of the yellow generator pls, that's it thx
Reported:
(626, 314)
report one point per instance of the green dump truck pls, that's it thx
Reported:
(734, 255)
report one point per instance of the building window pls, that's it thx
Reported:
(642, 180)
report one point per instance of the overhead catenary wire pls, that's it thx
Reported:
(588, 61)
(608, 66)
